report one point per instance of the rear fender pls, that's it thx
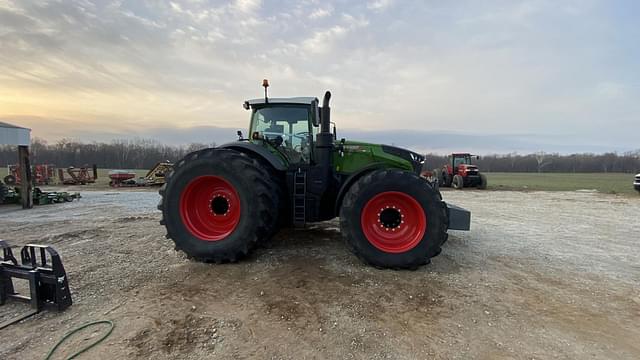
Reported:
(256, 150)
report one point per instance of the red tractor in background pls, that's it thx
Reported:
(459, 172)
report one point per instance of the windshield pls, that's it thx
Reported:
(461, 159)
(286, 126)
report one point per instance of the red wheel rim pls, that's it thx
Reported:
(210, 208)
(393, 222)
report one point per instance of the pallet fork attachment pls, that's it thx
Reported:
(42, 267)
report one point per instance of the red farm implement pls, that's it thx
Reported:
(78, 176)
(43, 174)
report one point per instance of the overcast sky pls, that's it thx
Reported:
(560, 71)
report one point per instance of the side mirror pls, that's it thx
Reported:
(239, 133)
(478, 157)
(315, 113)
(335, 134)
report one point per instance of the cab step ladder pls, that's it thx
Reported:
(299, 198)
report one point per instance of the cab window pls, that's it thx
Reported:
(288, 127)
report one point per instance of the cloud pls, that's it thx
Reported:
(610, 90)
(322, 41)
(379, 5)
(247, 5)
(321, 13)
(495, 67)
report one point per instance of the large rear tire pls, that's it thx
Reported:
(447, 179)
(440, 175)
(458, 182)
(217, 204)
(393, 219)
(483, 182)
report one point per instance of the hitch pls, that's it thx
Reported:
(42, 267)
(459, 218)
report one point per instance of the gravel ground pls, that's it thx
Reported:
(541, 275)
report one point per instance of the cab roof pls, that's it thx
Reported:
(292, 100)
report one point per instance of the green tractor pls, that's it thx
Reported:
(218, 203)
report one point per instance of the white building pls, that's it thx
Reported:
(20, 137)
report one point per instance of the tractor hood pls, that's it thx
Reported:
(358, 154)
(468, 166)
(469, 169)
(414, 158)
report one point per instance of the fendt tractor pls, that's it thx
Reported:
(218, 203)
(459, 172)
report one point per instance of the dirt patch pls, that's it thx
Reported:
(541, 275)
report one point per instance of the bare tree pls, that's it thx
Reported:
(540, 158)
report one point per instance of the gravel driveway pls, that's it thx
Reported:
(540, 275)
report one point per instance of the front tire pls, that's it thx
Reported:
(458, 182)
(483, 182)
(393, 219)
(217, 204)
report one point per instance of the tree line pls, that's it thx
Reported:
(144, 154)
(118, 154)
(628, 162)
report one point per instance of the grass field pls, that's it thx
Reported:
(610, 183)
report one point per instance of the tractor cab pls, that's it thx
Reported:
(461, 161)
(287, 125)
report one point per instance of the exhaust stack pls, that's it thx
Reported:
(325, 116)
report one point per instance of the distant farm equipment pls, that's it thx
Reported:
(118, 178)
(78, 176)
(155, 176)
(459, 172)
(53, 197)
(11, 195)
(43, 174)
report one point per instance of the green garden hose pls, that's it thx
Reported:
(64, 338)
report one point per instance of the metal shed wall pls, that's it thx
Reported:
(14, 135)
